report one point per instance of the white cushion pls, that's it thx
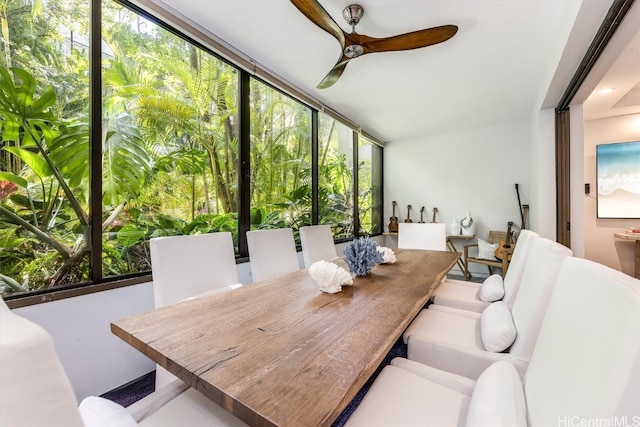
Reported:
(492, 288)
(99, 412)
(487, 250)
(191, 409)
(496, 327)
(498, 398)
(402, 398)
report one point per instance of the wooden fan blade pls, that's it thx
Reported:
(334, 74)
(413, 40)
(316, 14)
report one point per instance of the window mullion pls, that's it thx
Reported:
(95, 137)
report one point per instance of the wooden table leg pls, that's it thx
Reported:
(452, 248)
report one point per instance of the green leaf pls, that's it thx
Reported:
(33, 160)
(129, 235)
(18, 180)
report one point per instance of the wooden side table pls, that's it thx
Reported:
(452, 248)
(636, 237)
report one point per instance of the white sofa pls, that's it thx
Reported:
(585, 368)
(466, 343)
(466, 295)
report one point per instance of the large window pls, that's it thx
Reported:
(369, 187)
(335, 176)
(280, 159)
(170, 158)
(165, 137)
(44, 177)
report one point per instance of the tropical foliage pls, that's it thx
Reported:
(169, 147)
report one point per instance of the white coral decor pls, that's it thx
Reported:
(330, 277)
(388, 256)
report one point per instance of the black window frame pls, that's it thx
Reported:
(97, 282)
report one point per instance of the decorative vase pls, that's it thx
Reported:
(454, 227)
(467, 225)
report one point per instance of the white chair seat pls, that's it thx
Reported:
(460, 294)
(190, 408)
(402, 387)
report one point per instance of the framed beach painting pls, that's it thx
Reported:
(618, 180)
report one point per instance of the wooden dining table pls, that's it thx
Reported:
(281, 353)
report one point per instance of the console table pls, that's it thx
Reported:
(636, 237)
(452, 248)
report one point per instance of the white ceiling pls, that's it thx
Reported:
(497, 68)
(617, 91)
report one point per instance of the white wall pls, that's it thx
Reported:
(471, 170)
(599, 243)
(543, 174)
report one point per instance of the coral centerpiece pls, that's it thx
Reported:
(361, 255)
(329, 276)
(388, 256)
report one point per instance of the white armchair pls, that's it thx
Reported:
(465, 295)
(466, 343)
(35, 390)
(585, 367)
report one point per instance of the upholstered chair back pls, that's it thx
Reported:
(538, 279)
(586, 362)
(186, 266)
(518, 261)
(317, 244)
(34, 389)
(429, 236)
(272, 253)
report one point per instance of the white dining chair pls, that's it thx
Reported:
(317, 244)
(192, 266)
(469, 295)
(35, 390)
(429, 236)
(272, 253)
(584, 368)
(465, 342)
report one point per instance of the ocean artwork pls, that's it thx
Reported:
(618, 178)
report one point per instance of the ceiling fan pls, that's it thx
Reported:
(354, 45)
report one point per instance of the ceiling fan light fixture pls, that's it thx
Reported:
(353, 51)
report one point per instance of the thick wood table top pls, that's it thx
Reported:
(280, 352)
